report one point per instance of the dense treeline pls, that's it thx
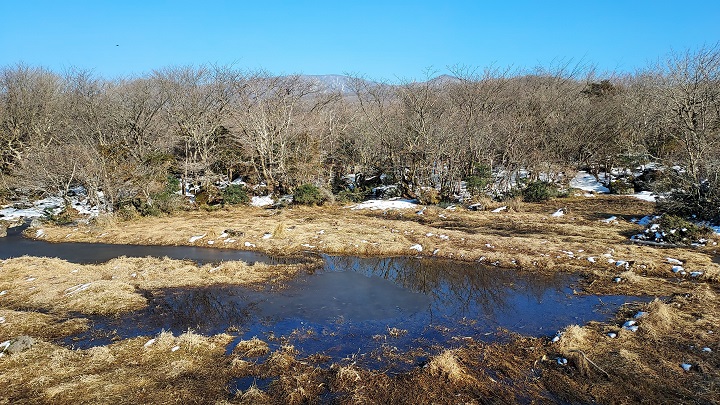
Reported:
(123, 139)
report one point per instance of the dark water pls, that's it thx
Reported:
(361, 308)
(364, 309)
(14, 245)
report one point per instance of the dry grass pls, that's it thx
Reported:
(446, 366)
(525, 236)
(251, 348)
(116, 286)
(121, 373)
(633, 367)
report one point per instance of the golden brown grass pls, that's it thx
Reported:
(446, 366)
(122, 373)
(525, 237)
(251, 348)
(641, 366)
(116, 286)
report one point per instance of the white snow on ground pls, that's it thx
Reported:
(261, 201)
(196, 238)
(609, 220)
(419, 248)
(645, 195)
(55, 204)
(503, 208)
(384, 205)
(558, 213)
(587, 182)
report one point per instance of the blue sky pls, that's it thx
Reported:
(382, 40)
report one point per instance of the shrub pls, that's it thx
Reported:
(429, 196)
(235, 194)
(126, 212)
(679, 230)
(308, 194)
(67, 216)
(355, 195)
(479, 179)
(539, 191)
(209, 195)
(622, 186)
(168, 202)
(701, 202)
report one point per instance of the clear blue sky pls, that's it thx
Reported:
(379, 39)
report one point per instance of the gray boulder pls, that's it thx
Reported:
(20, 344)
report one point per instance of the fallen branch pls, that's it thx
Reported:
(590, 361)
(651, 243)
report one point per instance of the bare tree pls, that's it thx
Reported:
(196, 112)
(29, 99)
(277, 123)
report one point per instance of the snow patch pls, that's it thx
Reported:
(261, 201)
(558, 213)
(587, 182)
(384, 205)
(503, 208)
(645, 196)
(196, 238)
(417, 247)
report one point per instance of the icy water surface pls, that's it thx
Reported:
(360, 307)
(364, 309)
(14, 245)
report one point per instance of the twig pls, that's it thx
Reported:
(590, 361)
(651, 243)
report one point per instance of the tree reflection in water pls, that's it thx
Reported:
(353, 304)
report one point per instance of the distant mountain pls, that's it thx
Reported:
(331, 82)
(343, 84)
(443, 80)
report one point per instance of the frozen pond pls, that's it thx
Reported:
(351, 308)
(14, 245)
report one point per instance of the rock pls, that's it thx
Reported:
(233, 232)
(20, 344)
